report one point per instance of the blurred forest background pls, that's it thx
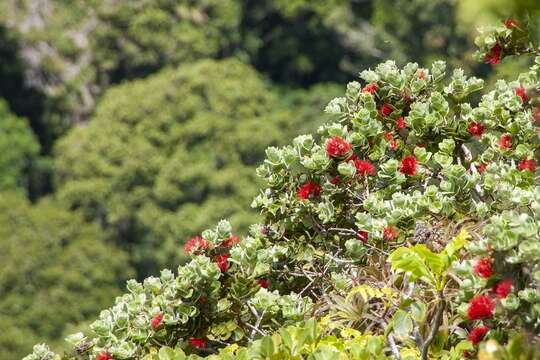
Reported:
(127, 127)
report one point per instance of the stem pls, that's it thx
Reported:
(393, 346)
(437, 321)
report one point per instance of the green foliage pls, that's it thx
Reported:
(424, 31)
(56, 271)
(74, 50)
(19, 149)
(164, 156)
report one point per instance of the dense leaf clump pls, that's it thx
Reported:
(19, 149)
(408, 228)
(37, 251)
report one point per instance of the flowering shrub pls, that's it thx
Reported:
(409, 228)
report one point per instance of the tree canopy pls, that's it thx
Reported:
(19, 148)
(57, 271)
(164, 156)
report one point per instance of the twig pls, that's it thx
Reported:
(393, 346)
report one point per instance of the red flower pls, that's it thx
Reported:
(477, 334)
(510, 23)
(421, 74)
(194, 244)
(157, 320)
(527, 165)
(352, 157)
(505, 142)
(335, 180)
(263, 283)
(502, 288)
(481, 168)
(233, 240)
(400, 122)
(494, 55)
(364, 167)
(408, 165)
(337, 147)
(371, 88)
(483, 268)
(480, 307)
(104, 356)
(522, 93)
(221, 261)
(198, 343)
(389, 136)
(309, 189)
(390, 233)
(362, 236)
(385, 110)
(476, 129)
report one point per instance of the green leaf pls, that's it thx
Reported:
(411, 262)
(402, 324)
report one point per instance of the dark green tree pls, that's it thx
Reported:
(56, 271)
(19, 150)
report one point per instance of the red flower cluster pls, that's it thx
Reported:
(335, 180)
(481, 168)
(389, 136)
(362, 236)
(476, 129)
(522, 93)
(194, 244)
(385, 110)
(494, 55)
(309, 189)
(408, 165)
(233, 240)
(337, 147)
(400, 122)
(370, 88)
(364, 168)
(505, 142)
(390, 233)
(527, 165)
(222, 262)
(263, 283)
(477, 334)
(510, 23)
(503, 288)
(157, 320)
(480, 307)
(483, 268)
(198, 343)
(104, 356)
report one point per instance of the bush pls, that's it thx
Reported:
(409, 229)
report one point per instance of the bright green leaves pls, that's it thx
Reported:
(413, 261)
(421, 264)
(167, 353)
(402, 324)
